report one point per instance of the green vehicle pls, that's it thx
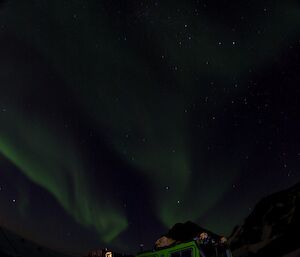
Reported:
(192, 248)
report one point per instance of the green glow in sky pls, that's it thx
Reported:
(54, 163)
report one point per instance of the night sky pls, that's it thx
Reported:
(120, 118)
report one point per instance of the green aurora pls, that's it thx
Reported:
(54, 165)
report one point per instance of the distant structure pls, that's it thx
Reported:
(106, 253)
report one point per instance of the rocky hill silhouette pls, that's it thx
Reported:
(272, 229)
